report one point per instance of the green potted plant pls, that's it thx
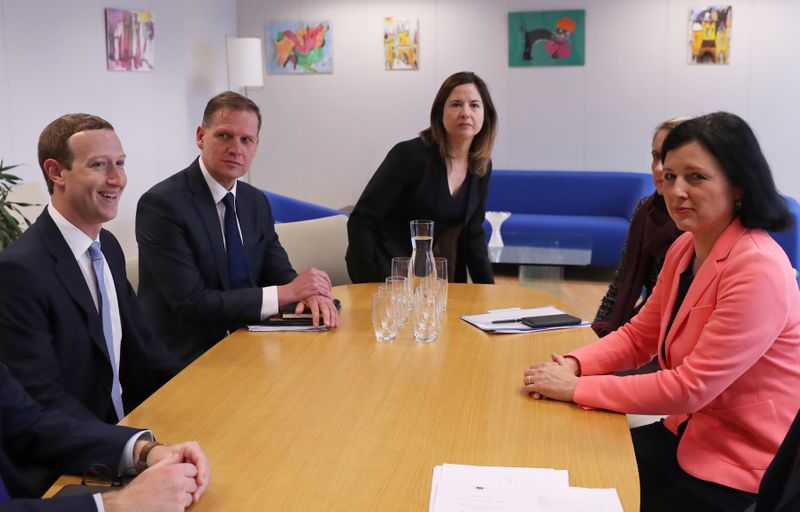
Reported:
(10, 227)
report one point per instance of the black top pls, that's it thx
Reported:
(684, 283)
(451, 210)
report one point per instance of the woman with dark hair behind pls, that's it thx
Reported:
(724, 321)
(442, 175)
(651, 233)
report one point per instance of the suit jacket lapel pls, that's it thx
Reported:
(702, 280)
(244, 211)
(207, 211)
(71, 277)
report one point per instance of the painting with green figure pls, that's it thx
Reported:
(299, 47)
(546, 38)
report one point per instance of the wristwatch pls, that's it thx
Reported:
(141, 464)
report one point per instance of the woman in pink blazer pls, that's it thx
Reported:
(724, 322)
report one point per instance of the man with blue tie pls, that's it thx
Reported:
(209, 259)
(70, 329)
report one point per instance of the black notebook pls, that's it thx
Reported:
(287, 315)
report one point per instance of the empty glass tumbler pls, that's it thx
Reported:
(385, 316)
(441, 279)
(425, 311)
(399, 289)
(401, 267)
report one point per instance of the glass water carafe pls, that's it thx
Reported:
(422, 263)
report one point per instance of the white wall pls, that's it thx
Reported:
(325, 135)
(52, 61)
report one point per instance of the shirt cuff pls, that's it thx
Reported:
(126, 463)
(98, 502)
(269, 301)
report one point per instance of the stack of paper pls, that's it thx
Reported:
(489, 321)
(499, 489)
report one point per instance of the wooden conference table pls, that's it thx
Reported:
(335, 421)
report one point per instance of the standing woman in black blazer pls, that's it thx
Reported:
(442, 175)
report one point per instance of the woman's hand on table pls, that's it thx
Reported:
(556, 379)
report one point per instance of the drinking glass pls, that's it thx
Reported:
(401, 267)
(398, 287)
(425, 312)
(384, 316)
(441, 277)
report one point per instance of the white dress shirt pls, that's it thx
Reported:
(269, 294)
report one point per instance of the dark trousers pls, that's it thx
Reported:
(666, 487)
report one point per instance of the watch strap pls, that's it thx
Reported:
(141, 463)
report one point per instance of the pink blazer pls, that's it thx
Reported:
(732, 357)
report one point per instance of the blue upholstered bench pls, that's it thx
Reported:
(289, 209)
(586, 203)
(594, 204)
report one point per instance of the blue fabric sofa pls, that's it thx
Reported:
(289, 209)
(569, 203)
(790, 240)
(585, 203)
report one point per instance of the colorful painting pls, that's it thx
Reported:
(546, 38)
(299, 47)
(401, 43)
(130, 44)
(710, 34)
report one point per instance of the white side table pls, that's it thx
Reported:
(496, 220)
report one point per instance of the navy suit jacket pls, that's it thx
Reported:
(51, 335)
(50, 438)
(183, 270)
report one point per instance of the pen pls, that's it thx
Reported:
(507, 321)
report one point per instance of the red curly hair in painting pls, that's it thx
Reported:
(566, 24)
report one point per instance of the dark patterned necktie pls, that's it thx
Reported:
(237, 261)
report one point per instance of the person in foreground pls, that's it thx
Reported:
(209, 259)
(71, 329)
(651, 233)
(442, 175)
(724, 321)
(170, 477)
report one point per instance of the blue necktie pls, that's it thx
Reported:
(237, 261)
(105, 313)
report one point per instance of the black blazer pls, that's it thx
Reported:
(51, 439)
(405, 187)
(183, 271)
(51, 336)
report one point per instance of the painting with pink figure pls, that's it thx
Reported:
(130, 40)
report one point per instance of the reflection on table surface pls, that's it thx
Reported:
(336, 421)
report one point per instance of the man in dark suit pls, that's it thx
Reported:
(209, 258)
(172, 477)
(71, 331)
